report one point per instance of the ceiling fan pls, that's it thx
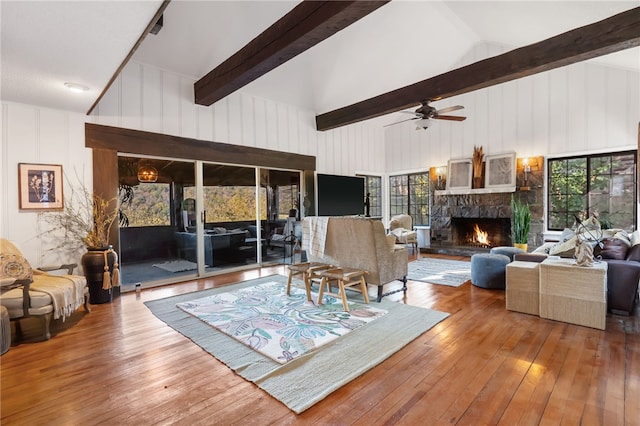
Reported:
(426, 114)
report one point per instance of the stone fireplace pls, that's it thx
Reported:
(454, 213)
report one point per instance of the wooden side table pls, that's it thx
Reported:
(574, 294)
(523, 287)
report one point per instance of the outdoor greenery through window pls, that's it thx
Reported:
(373, 187)
(149, 205)
(287, 200)
(228, 203)
(604, 184)
(409, 194)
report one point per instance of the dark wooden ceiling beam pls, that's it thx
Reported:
(303, 27)
(610, 35)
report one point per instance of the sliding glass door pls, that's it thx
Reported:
(184, 219)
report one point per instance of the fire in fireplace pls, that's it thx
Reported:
(481, 232)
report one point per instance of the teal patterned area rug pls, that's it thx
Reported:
(281, 327)
(304, 381)
(453, 273)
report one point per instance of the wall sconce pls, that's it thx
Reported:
(441, 177)
(147, 174)
(526, 169)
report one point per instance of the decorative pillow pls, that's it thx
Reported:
(564, 249)
(14, 267)
(567, 234)
(613, 248)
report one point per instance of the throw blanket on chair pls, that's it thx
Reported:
(67, 292)
(314, 234)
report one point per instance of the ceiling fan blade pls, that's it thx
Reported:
(449, 117)
(449, 109)
(401, 121)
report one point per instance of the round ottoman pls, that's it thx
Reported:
(488, 270)
(507, 251)
(5, 330)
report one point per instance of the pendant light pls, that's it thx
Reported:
(147, 174)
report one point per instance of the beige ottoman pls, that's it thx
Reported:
(523, 287)
(5, 330)
(574, 294)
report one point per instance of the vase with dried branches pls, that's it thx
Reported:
(478, 155)
(86, 221)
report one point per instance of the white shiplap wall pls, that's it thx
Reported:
(580, 108)
(147, 98)
(32, 134)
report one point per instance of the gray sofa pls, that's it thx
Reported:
(360, 243)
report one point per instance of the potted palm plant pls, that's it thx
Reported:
(521, 221)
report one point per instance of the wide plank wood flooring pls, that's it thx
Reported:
(484, 365)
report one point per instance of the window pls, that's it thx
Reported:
(287, 200)
(409, 194)
(373, 187)
(149, 205)
(604, 184)
(227, 203)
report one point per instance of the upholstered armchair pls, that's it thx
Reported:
(26, 292)
(401, 226)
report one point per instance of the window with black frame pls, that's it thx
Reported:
(409, 194)
(373, 187)
(601, 184)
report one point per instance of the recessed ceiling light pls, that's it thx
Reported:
(75, 87)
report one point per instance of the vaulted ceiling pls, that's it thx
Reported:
(45, 44)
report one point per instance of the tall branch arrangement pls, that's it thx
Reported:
(86, 220)
(478, 155)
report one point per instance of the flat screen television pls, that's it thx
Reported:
(340, 195)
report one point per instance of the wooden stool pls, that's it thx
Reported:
(309, 271)
(345, 277)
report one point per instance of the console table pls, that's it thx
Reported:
(572, 293)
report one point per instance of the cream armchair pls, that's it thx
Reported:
(402, 227)
(36, 293)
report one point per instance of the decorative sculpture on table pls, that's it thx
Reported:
(586, 240)
(583, 253)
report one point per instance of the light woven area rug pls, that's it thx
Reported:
(280, 326)
(453, 273)
(177, 266)
(304, 381)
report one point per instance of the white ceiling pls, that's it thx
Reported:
(47, 43)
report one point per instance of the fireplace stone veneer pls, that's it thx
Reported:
(451, 214)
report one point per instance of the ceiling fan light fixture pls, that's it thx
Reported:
(423, 123)
(147, 174)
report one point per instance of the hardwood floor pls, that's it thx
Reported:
(483, 365)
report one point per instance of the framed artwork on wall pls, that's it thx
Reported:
(500, 170)
(40, 186)
(459, 174)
